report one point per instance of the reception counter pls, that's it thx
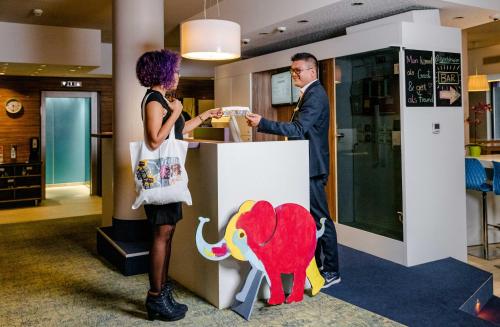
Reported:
(221, 177)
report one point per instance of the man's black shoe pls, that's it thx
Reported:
(331, 278)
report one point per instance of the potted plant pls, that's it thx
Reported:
(476, 117)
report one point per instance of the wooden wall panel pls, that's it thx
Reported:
(328, 80)
(261, 104)
(28, 89)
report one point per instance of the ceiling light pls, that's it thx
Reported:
(223, 42)
(39, 69)
(357, 4)
(37, 12)
(43, 65)
(72, 70)
(478, 83)
(2, 73)
(302, 21)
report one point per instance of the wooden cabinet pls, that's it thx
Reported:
(20, 182)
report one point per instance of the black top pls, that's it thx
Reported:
(310, 122)
(158, 97)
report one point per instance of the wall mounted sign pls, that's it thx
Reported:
(419, 83)
(71, 83)
(448, 79)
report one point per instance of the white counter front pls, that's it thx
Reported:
(221, 177)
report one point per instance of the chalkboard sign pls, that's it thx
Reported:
(419, 79)
(448, 79)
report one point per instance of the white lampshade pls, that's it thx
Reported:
(210, 39)
(478, 83)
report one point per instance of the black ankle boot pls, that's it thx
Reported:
(166, 292)
(160, 308)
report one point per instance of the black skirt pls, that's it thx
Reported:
(163, 214)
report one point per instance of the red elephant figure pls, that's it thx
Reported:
(276, 241)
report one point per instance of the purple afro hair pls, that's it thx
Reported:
(158, 68)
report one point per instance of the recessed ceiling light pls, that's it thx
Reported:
(302, 21)
(37, 12)
(79, 67)
(357, 3)
(43, 65)
(2, 73)
(458, 17)
(72, 70)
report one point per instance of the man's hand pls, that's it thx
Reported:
(253, 120)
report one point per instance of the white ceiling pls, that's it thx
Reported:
(327, 18)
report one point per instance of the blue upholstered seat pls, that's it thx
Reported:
(476, 180)
(475, 176)
(496, 177)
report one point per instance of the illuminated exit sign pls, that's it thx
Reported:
(71, 83)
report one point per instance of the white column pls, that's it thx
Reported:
(137, 28)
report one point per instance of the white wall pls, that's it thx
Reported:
(433, 165)
(106, 67)
(433, 169)
(476, 60)
(38, 44)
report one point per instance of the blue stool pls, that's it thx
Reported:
(476, 180)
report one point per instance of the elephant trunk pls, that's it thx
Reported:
(214, 252)
(320, 232)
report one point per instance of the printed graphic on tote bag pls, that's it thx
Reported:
(158, 172)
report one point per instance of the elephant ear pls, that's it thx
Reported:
(259, 223)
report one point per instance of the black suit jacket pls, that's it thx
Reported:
(310, 122)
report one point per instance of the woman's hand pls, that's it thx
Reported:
(212, 113)
(175, 106)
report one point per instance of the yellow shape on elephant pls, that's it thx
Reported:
(231, 228)
(317, 281)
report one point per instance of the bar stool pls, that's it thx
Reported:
(476, 180)
(496, 185)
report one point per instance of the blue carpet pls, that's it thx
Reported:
(425, 295)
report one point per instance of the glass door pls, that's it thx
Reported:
(67, 137)
(369, 142)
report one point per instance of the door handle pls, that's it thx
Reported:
(400, 216)
(340, 135)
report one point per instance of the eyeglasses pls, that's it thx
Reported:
(298, 71)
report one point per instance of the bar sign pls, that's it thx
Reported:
(71, 83)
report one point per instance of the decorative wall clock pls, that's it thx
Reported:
(13, 106)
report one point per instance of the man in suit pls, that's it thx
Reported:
(310, 121)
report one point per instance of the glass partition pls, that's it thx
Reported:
(369, 142)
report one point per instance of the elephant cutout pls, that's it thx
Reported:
(275, 241)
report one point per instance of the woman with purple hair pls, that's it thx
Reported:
(159, 72)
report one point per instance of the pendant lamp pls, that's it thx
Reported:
(478, 83)
(210, 39)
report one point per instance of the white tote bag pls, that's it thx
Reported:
(160, 175)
